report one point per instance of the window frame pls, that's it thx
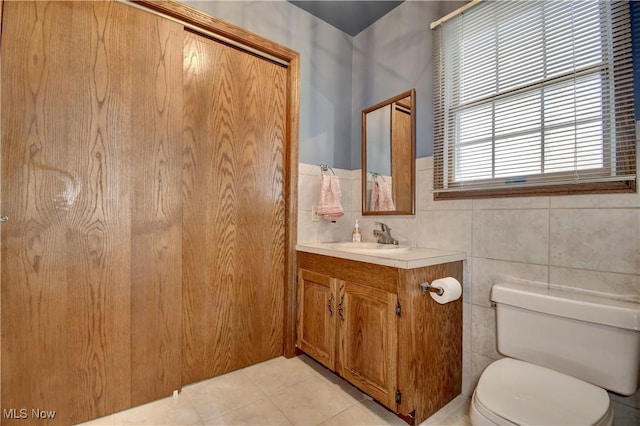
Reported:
(534, 186)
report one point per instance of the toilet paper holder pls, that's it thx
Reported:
(428, 288)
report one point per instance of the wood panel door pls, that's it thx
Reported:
(317, 316)
(401, 151)
(367, 356)
(91, 172)
(234, 208)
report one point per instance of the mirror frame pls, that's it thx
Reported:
(412, 165)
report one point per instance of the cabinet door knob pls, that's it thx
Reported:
(4, 219)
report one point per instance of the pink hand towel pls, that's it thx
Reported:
(381, 199)
(330, 205)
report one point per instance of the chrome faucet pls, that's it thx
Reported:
(384, 234)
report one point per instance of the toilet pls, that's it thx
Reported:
(563, 350)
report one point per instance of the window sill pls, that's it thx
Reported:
(575, 189)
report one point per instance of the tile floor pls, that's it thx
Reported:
(296, 391)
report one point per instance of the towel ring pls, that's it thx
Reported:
(375, 176)
(324, 168)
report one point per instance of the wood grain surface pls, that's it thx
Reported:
(156, 206)
(96, 166)
(234, 210)
(1, 9)
(202, 20)
(66, 256)
(377, 276)
(291, 203)
(402, 155)
(430, 343)
(290, 172)
(418, 353)
(368, 340)
(317, 316)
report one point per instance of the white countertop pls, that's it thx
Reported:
(417, 257)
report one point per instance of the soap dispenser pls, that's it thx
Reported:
(356, 235)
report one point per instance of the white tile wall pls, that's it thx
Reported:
(587, 242)
(626, 286)
(483, 331)
(445, 229)
(595, 239)
(514, 235)
(404, 227)
(308, 196)
(478, 363)
(486, 272)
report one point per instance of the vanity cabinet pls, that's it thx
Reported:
(350, 328)
(373, 326)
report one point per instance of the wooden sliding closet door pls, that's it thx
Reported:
(156, 206)
(234, 208)
(91, 172)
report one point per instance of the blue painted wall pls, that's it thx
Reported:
(340, 75)
(392, 56)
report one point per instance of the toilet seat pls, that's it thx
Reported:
(482, 416)
(517, 392)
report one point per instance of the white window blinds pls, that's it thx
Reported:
(534, 97)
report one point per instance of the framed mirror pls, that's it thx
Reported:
(388, 156)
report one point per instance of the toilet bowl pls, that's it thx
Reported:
(513, 392)
(563, 350)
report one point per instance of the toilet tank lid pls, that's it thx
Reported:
(569, 303)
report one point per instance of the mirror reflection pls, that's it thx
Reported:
(388, 156)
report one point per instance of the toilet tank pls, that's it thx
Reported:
(586, 336)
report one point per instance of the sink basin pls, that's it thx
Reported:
(370, 248)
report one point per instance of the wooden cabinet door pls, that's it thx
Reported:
(317, 313)
(91, 172)
(367, 354)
